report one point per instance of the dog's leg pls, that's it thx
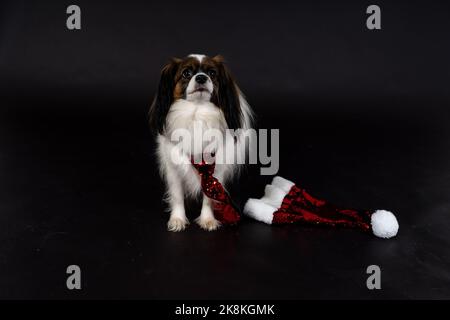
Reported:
(178, 220)
(206, 219)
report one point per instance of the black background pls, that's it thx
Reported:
(363, 122)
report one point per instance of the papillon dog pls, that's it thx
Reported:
(195, 94)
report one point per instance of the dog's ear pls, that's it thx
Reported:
(228, 95)
(164, 97)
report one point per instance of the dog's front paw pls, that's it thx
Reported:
(177, 224)
(208, 224)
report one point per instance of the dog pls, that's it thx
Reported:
(196, 92)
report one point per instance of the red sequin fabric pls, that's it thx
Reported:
(224, 209)
(299, 206)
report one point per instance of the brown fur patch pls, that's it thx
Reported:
(178, 92)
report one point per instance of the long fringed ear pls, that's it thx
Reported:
(164, 97)
(228, 96)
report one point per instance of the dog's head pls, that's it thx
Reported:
(197, 78)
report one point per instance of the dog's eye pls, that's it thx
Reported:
(212, 73)
(187, 73)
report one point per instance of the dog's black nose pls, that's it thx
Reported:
(201, 78)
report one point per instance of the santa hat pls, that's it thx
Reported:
(284, 202)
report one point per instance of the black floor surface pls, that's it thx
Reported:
(78, 185)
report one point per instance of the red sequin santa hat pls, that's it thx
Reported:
(285, 202)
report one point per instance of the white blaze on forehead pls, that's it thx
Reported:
(199, 57)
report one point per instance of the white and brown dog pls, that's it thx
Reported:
(196, 92)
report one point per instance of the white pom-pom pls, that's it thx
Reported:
(282, 183)
(384, 224)
(258, 210)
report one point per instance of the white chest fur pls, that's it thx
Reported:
(184, 114)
